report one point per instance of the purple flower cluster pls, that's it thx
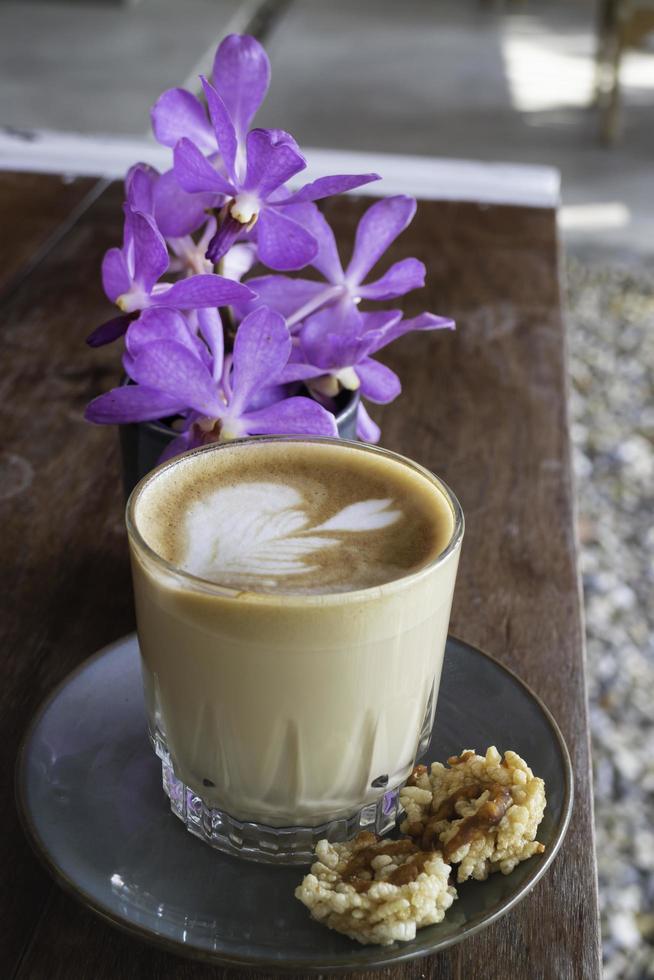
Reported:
(284, 347)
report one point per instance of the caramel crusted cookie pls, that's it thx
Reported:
(377, 891)
(481, 811)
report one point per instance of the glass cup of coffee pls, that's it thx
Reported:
(293, 598)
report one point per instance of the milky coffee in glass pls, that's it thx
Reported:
(293, 598)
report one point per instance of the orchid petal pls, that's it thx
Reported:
(269, 395)
(395, 328)
(298, 371)
(115, 275)
(378, 228)
(239, 260)
(378, 383)
(222, 241)
(292, 416)
(378, 319)
(177, 212)
(180, 444)
(283, 294)
(401, 278)
(154, 325)
(261, 350)
(211, 328)
(150, 252)
(326, 186)
(171, 368)
(327, 260)
(109, 331)
(194, 172)
(223, 126)
(140, 183)
(333, 338)
(176, 114)
(200, 291)
(283, 243)
(367, 430)
(429, 321)
(132, 403)
(273, 157)
(241, 75)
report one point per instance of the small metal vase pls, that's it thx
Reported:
(142, 443)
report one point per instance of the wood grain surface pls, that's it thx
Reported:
(35, 210)
(484, 407)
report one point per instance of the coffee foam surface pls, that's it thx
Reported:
(294, 517)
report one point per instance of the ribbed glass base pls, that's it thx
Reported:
(258, 842)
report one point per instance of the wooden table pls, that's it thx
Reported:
(486, 408)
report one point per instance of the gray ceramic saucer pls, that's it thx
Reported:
(90, 796)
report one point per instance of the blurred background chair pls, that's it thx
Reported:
(622, 24)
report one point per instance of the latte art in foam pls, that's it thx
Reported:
(261, 533)
(293, 518)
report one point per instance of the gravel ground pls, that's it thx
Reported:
(611, 336)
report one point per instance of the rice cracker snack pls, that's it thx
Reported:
(482, 812)
(377, 891)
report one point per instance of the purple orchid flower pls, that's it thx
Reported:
(248, 169)
(333, 351)
(381, 224)
(130, 276)
(175, 212)
(241, 73)
(335, 341)
(220, 398)
(226, 199)
(337, 351)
